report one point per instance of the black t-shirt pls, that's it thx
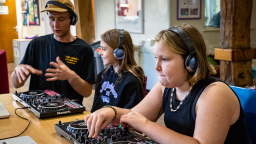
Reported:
(126, 94)
(183, 120)
(77, 55)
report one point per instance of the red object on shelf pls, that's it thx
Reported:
(4, 83)
(97, 50)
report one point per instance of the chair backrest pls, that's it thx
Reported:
(247, 99)
(144, 87)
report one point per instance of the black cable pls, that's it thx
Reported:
(22, 118)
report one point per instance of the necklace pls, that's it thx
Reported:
(173, 89)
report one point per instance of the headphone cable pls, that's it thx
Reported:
(22, 118)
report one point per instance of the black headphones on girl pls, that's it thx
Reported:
(190, 61)
(73, 18)
(119, 52)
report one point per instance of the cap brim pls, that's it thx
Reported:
(55, 9)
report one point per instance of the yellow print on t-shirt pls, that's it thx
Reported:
(71, 60)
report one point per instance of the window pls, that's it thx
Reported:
(212, 13)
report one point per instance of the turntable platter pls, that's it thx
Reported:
(78, 125)
(31, 93)
(52, 105)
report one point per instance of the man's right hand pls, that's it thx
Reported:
(22, 72)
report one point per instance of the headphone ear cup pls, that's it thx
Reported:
(119, 53)
(73, 20)
(191, 64)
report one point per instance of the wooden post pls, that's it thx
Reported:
(85, 28)
(235, 34)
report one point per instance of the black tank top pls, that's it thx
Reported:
(183, 120)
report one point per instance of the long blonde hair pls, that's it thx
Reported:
(128, 63)
(177, 45)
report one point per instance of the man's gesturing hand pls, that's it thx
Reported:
(62, 72)
(23, 70)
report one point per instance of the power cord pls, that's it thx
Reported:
(22, 118)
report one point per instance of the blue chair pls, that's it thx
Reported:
(247, 99)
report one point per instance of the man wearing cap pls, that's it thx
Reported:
(60, 61)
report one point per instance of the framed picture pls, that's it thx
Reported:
(188, 9)
(129, 15)
(30, 10)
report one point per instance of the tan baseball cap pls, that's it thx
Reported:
(51, 7)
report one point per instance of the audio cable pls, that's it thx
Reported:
(22, 118)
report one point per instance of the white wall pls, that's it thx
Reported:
(156, 18)
(158, 15)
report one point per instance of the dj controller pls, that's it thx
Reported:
(76, 132)
(47, 103)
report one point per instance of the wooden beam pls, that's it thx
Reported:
(85, 28)
(235, 54)
(237, 73)
(235, 34)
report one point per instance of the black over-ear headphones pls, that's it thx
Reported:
(73, 19)
(190, 61)
(119, 52)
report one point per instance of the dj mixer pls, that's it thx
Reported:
(47, 103)
(76, 132)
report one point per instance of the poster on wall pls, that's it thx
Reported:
(4, 10)
(188, 9)
(129, 15)
(30, 11)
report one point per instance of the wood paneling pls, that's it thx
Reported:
(7, 31)
(235, 34)
(85, 28)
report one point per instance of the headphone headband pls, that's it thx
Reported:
(185, 38)
(121, 38)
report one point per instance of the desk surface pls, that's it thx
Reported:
(40, 130)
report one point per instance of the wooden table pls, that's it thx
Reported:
(40, 130)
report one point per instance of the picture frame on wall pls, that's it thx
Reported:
(129, 15)
(30, 11)
(188, 9)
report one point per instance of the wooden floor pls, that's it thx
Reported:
(87, 102)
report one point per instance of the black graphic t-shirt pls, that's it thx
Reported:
(77, 55)
(125, 94)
